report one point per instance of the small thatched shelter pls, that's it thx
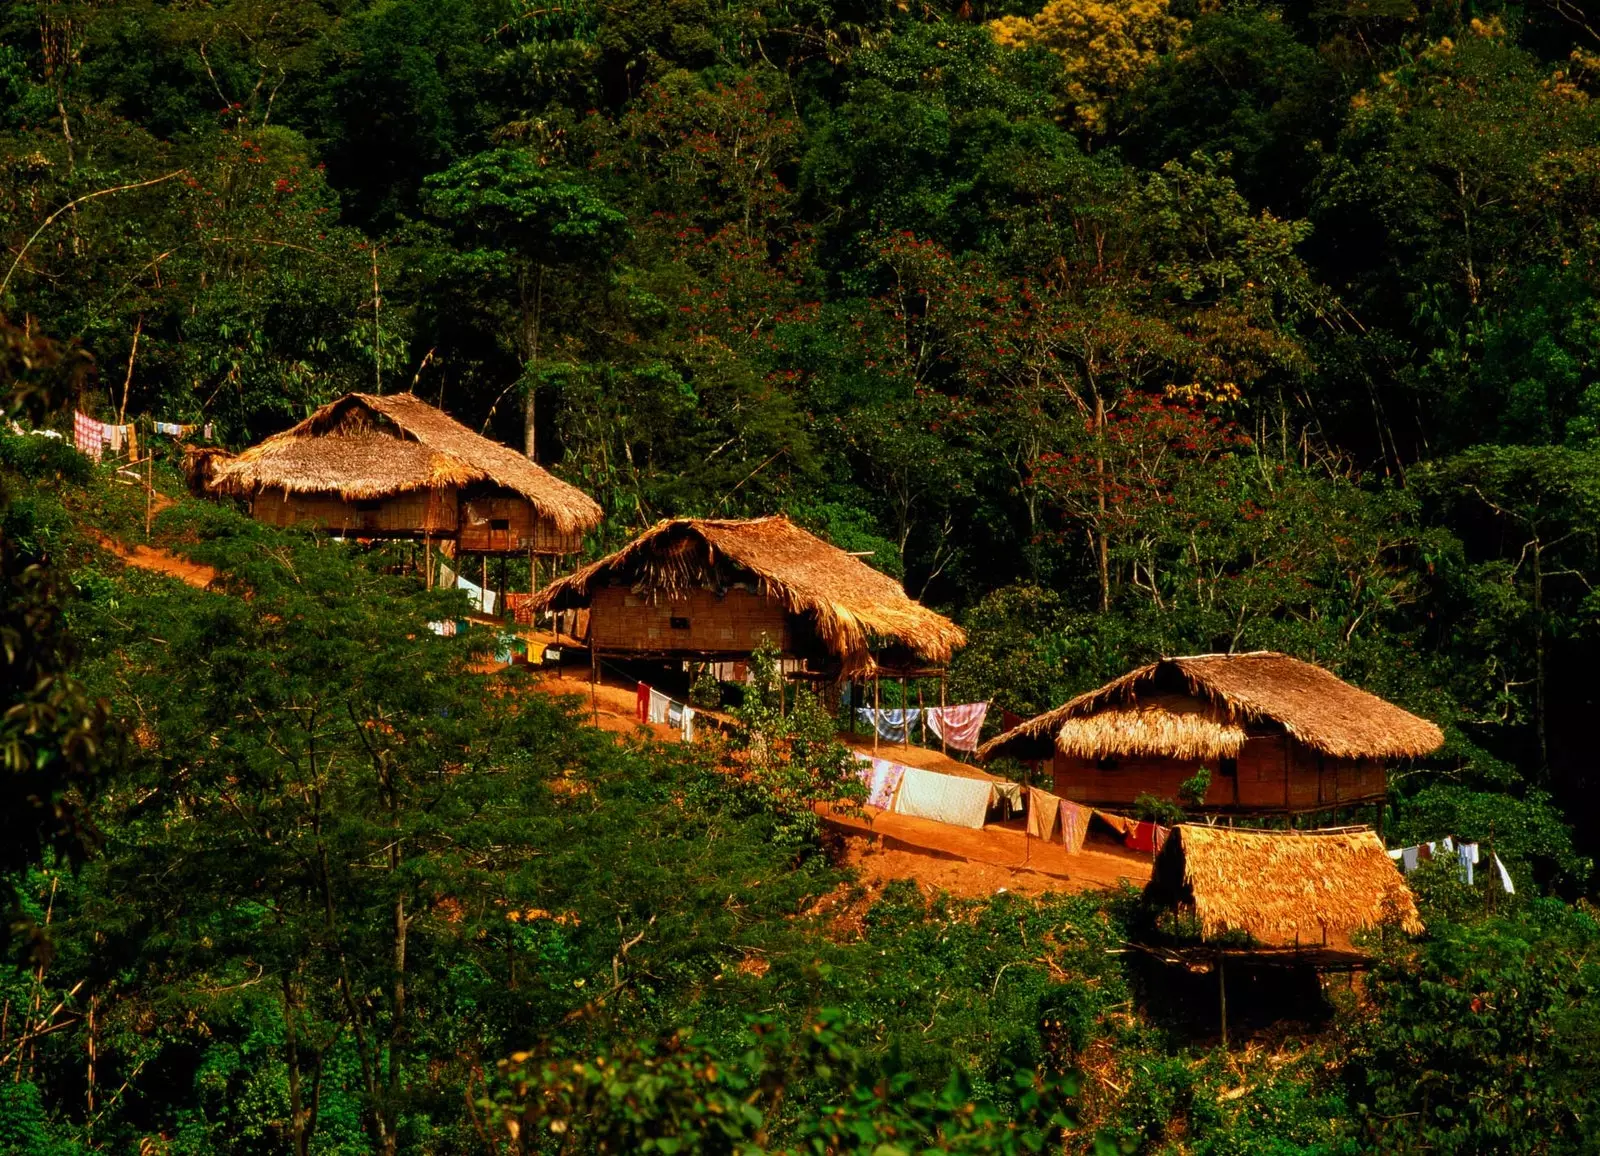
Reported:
(1277, 734)
(1294, 890)
(394, 466)
(694, 588)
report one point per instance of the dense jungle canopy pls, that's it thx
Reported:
(1113, 328)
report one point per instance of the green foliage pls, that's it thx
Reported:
(681, 1096)
(1483, 1041)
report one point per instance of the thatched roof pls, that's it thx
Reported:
(1169, 725)
(854, 607)
(1227, 693)
(367, 446)
(1283, 888)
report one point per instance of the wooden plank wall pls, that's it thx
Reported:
(1265, 766)
(734, 623)
(419, 512)
(523, 528)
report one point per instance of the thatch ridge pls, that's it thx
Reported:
(1283, 888)
(853, 604)
(1165, 726)
(1312, 704)
(367, 446)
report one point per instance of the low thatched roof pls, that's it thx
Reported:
(1139, 713)
(854, 607)
(1283, 888)
(366, 446)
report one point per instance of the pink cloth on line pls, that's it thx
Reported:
(1074, 825)
(882, 779)
(959, 726)
(88, 435)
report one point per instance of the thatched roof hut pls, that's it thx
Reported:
(861, 617)
(1285, 889)
(366, 446)
(1200, 707)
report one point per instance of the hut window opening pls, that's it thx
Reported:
(501, 524)
(679, 623)
(1228, 768)
(1107, 763)
(371, 507)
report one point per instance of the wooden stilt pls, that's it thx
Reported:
(922, 715)
(943, 749)
(905, 722)
(1222, 997)
(594, 678)
(874, 711)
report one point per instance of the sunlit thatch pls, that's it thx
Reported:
(854, 607)
(1282, 888)
(366, 446)
(1229, 691)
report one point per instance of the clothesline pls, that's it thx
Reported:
(958, 726)
(94, 437)
(652, 706)
(1466, 856)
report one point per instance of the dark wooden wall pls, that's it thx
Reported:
(734, 623)
(509, 524)
(1273, 773)
(418, 513)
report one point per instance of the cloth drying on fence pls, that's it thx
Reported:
(943, 798)
(892, 725)
(521, 614)
(882, 778)
(1044, 814)
(959, 726)
(88, 435)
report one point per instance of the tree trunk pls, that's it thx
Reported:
(531, 311)
(1102, 558)
(1539, 663)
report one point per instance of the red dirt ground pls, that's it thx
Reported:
(159, 561)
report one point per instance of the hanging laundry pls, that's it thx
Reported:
(958, 726)
(1505, 876)
(445, 629)
(1044, 814)
(1146, 836)
(88, 435)
(1074, 825)
(113, 436)
(521, 612)
(641, 707)
(892, 725)
(687, 727)
(943, 798)
(882, 779)
(658, 706)
(1467, 856)
(206, 433)
(1409, 858)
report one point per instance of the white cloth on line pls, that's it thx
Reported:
(659, 705)
(943, 798)
(1505, 877)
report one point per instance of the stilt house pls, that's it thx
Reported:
(1281, 891)
(393, 466)
(693, 588)
(1278, 735)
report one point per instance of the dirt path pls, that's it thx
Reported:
(159, 561)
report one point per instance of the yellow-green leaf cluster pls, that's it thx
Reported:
(1105, 45)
